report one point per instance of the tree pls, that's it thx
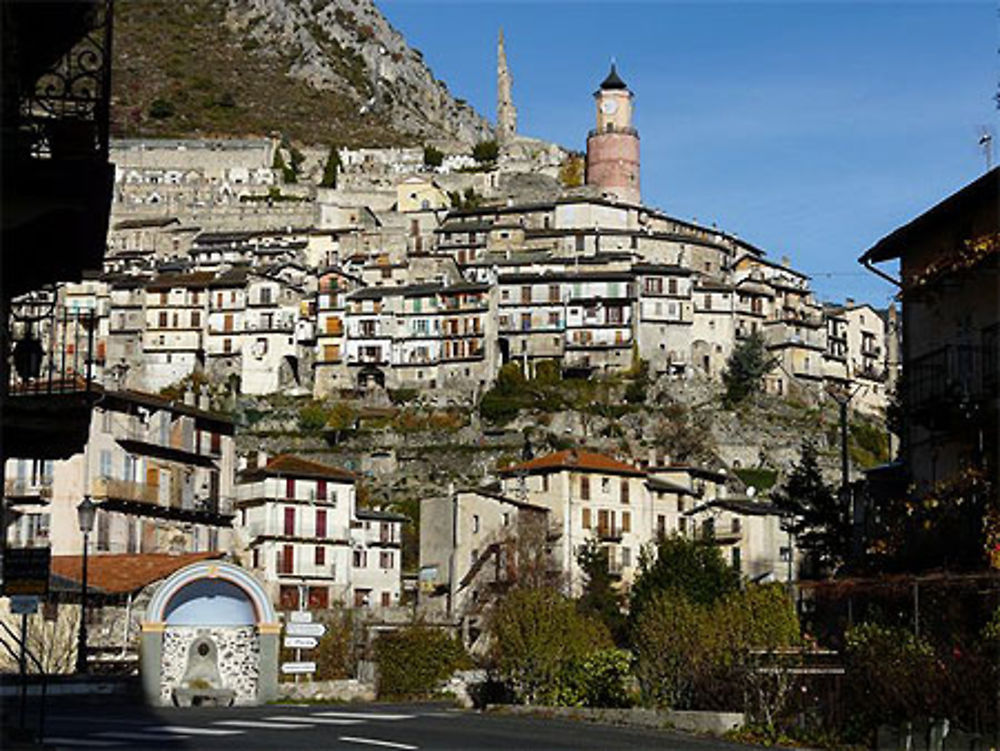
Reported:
(486, 152)
(433, 157)
(818, 519)
(414, 660)
(535, 634)
(599, 598)
(694, 569)
(161, 109)
(330, 169)
(745, 369)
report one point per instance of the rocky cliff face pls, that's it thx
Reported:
(382, 73)
(318, 70)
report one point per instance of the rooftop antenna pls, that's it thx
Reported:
(986, 144)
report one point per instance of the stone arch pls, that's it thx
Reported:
(224, 607)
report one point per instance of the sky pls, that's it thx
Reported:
(809, 129)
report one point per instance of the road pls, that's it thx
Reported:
(371, 727)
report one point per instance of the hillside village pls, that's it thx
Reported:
(262, 270)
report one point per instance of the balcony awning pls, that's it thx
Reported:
(168, 453)
(156, 511)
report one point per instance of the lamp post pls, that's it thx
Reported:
(85, 512)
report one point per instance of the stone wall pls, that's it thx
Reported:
(239, 659)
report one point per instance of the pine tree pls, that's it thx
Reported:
(331, 169)
(599, 597)
(818, 518)
(745, 369)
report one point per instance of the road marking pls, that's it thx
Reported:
(125, 736)
(377, 742)
(263, 725)
(365, 715)
(185, 730)
(80, 742)
(313, 718)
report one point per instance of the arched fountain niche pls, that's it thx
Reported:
(210, 636)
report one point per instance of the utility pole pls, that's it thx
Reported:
(852, 507)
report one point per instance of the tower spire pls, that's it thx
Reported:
(506, 113)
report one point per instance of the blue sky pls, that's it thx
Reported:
(809, 129)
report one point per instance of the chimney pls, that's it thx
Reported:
(652, 457)
(786, 261)
(850, 302)
(189, 397)
(204, 402)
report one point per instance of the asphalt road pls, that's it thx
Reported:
(367, 727)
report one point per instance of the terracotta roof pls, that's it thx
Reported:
(288, 465)
(118, 574)
(575, 459)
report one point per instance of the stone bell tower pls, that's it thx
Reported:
(613, 147)
(506, 113)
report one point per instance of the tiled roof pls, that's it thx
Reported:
(574, 459)
(119, 574)
(287, 465)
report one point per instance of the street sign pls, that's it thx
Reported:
(305, 629)
(300, 616)
(23, 604)
(298, 668)
(300, 642)
(26, 571)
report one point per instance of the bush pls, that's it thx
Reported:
(313, 417)
(413, 661)
(536, 634)
(699, 656)
(595, 680)
(161, 109)
(486, 152)
(433, 157)
(334, 655)
(745, 369)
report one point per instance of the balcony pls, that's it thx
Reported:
(950, 378)
(26, 491)
(609, 533)
(125, 490)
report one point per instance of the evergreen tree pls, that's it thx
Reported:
(599, 598)
(692, 568)
(745, 369)
(818, 518)
(433, 157)
(330, 169)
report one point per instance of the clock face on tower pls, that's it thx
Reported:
(609, 106)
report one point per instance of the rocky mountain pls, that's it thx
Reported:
(318, 71)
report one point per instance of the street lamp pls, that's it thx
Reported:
(85, 513)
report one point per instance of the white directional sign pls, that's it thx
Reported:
(293, 668)
(300, 642)
(300, 616)
(305, 629)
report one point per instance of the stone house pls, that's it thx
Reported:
(160, 472)
(271, 357)
(302, 531)
(589, 496)
(175, 308)
(664, 316)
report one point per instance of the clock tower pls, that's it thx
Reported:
(613, 147)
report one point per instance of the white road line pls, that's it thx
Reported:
(126, 736)
(82, 742)
(185, 730)
(263, 725)
(377, 742)
(312, 718)
(365, 715)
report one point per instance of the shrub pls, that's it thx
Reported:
(413, 661)
(334, 655)
(486, 152)
(535, 635)
(745, 369)
(596, 680)
(313, 417)
(432, 157)
(161, 109)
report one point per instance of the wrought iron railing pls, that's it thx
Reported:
(54, 348)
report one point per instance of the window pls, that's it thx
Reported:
(708, 302)
(585, 488)
(586, 518)
(736, 559)
(525, 321)
(475, 524)
(624, 491)
(626, 521)
(605, 485)
(386, 599)
(255, 558)
(319, 598)
(526, 293)
(288, 597)
(289, 487)
(360, 559)
(672, 286)
(553, 293)
(626, 557)
(286, 561)
(227, 346)
(321, 522)
(361, 598)
(105, 470)
(319, 556)
(163, 320)
(289, 521)
(195, 319)
(545, 483)
(385, 559)
(661, 526)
